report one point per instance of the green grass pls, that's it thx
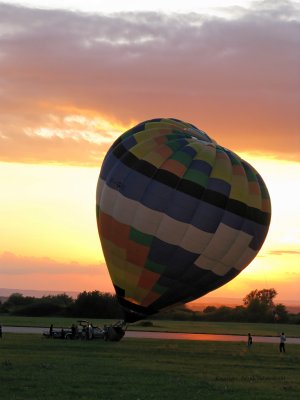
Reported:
(234, 328)
(36, 368)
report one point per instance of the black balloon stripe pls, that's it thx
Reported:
(188, 187)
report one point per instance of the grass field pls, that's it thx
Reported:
(233, 328)
(36, 368)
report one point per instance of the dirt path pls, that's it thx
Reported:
(167, 335)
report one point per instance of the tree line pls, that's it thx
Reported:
(258, 306)
(93, 304)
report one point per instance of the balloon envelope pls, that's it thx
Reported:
(178, 215)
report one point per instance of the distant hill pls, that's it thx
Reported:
(4, 292)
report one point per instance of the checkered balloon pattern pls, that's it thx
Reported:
(178, 215)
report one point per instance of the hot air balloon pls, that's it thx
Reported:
(178, 215)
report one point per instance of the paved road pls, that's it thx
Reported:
(169, 335)
(22, 329)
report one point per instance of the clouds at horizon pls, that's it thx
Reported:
(72, 82)
(11, 264)
(46, 273)
(284, 252)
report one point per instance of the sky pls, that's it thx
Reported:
(74, 75)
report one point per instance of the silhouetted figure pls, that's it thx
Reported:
(0, 331)
(90, 332)
(250, 341)
(282, 343)
(51, 330)
(73, 330)
(105, 333)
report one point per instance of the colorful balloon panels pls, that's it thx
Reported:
(178, 215)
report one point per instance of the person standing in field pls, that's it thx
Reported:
(0, 331)
(282, 343)
(249, 343)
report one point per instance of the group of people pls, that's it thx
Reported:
(282, 340)
(86, 333)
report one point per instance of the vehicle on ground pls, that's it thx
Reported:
(85, 330)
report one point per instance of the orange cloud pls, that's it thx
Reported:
(11, 264)
(237, 78)
(48, 274)
(284, 252)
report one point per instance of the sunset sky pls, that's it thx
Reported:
(74, 77)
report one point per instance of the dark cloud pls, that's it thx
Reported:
(237, 78)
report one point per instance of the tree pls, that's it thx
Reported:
(96, 304)
(63, 300)
(16, 301)
(209, 309)
(281, 313)
(259, 305)
(264, 297)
